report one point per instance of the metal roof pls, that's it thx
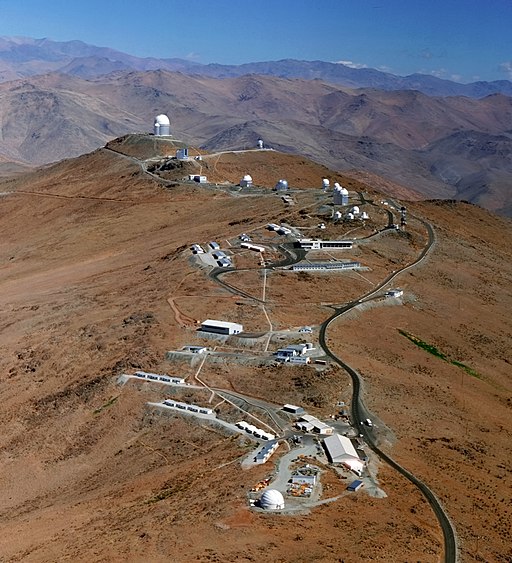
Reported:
(339, 447)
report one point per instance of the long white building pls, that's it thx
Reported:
(318, 244)
(221, 327)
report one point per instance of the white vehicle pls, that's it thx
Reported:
(368, 423)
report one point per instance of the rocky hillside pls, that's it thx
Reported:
(406, 137)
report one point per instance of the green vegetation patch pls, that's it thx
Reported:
(435, 352)
(109, 403)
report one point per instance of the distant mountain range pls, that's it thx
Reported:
(441, 147)
(21, 57)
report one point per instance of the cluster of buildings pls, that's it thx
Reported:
(295, 353)
(310, 424)
(339, 448)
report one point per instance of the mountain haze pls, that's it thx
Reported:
(22, 56)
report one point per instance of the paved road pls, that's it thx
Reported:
(258, 403)
(358, 408)
(360, 412)
(291, 256)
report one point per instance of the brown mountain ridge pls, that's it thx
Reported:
(404, 136)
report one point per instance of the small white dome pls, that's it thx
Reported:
(247, 178)
(355, 210)
(162, 119)
(272, 500)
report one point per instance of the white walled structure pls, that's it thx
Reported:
(317, 244)
(221, 327)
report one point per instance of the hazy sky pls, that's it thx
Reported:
(461, 40)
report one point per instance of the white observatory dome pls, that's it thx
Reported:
(247, 178)
(343, 191)
(162, 127)
(162, 119)
(272, 500)
(355, 210)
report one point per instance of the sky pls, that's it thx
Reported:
(461, 40)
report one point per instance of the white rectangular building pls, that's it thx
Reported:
(317, 244)
(294, 409)
(341, 450)
(309, 423)
(254, 247)
(197, 178)
(266, 452)
(221, 327)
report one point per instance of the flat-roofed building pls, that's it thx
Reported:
(266, 452)
(317, 244)
(309, 423)
(221, 327)
(293, 409)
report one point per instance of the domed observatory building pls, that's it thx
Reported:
(281, 186)
(340, 195)
(272, 500)
(162, 127)
(246, 181)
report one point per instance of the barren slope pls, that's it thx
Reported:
(92, 252)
